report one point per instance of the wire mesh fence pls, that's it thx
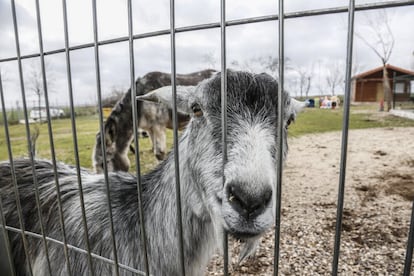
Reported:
(223, 25)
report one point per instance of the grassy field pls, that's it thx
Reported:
(63, 140)
(86, 128)
(312, 120)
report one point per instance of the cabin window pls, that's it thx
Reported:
(399, 87)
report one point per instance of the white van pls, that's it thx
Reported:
(37, 113)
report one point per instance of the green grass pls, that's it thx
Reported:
(63, 141)
(86, 127)
(315, 120)
(312, 120)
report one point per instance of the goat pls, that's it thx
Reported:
(242, 206)
(153, 118)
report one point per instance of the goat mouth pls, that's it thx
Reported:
(242, 235)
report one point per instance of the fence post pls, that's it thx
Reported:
(345, 128)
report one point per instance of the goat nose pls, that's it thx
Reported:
(249, 204)
(160, 156)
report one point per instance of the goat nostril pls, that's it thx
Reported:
(248, 204)
(267, 196)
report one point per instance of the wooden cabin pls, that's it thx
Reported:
(368, 87)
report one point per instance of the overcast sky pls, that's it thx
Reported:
(314, 44)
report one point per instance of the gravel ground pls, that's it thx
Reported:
(378, 193)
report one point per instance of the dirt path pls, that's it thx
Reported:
(379, 186)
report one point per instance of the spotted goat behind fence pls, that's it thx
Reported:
(244, 206)
(153, 118)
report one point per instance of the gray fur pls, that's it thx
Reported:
(208, 208)
(153, 118)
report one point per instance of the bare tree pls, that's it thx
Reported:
(247, 65)
(319, 76)
(291, 85)
(4, 75)
(380, 39)
(334, 76)
(211, 59)
(35, 82)
(357, 68)
(33, 139)
(304, 80)
(268, 64)
(114, 96)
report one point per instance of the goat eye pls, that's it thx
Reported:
(289, 121)
(197, 110)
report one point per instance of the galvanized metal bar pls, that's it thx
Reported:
(361, 7)
(13, 175)
(410, 245)
(75, 137)
(29, 144)
(3, 218)
(279, 137)
(223, 39)
(6, 240)
(176, 139)
(344, 144)
(51, 140)
(136, 144)
(235, 22)
(281, 17)
(102, 133)
(74, 248)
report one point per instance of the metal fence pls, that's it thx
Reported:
(172, 31)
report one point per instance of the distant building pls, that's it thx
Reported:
(40, 113)
(368, 87)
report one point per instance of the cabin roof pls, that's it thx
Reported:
(379, 69)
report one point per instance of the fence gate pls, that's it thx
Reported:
(131, 38)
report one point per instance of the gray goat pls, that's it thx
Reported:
(243, 207)
(153, 118)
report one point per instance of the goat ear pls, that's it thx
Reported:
(164, 95)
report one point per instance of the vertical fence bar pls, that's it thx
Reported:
(75, 137)
(344, 145)
(6, 240)
(29, 144)
(13, 174)
(224, 118)
(19, 213)
(51, 140)
(175, 130)
(410, 244)
(223, 23)
(135, 129)
(102, 133)
(279, 139)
